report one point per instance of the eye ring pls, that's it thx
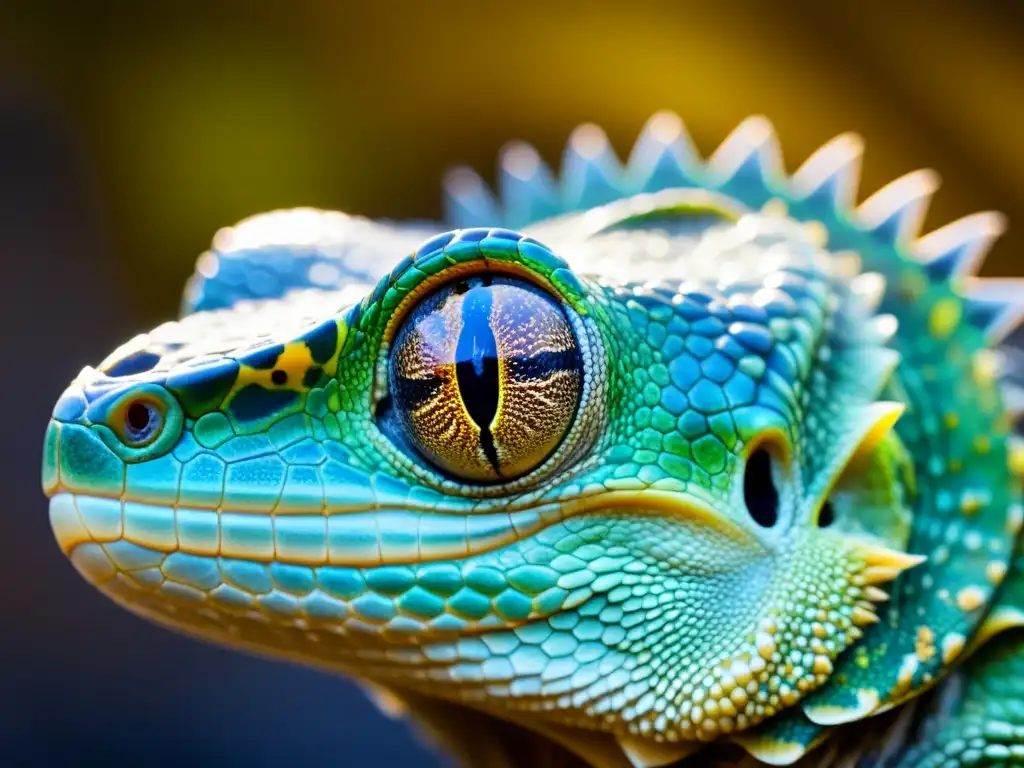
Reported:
(143, 418)
(485, 378)
(465, 253)
(138, 423)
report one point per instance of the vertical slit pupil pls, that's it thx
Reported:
(476, 368)
(759, 492)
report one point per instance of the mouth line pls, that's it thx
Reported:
(353, 539)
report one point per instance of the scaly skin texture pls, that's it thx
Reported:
(695, 462)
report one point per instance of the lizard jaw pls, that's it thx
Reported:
(367, 538)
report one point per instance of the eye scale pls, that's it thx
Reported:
(486, 374)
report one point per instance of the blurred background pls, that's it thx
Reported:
(129, 132)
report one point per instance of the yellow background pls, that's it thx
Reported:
(193, 115)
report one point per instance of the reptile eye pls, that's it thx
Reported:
(141, 422)
(486, 376)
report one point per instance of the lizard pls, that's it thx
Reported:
(678, 461)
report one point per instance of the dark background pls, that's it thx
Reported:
(129, 132)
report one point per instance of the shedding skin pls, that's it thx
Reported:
(633, 465)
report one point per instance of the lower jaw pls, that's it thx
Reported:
(135, 555)
(464, 630)
(476, 662)
(354, 539)
(357, 539)
(349, 620)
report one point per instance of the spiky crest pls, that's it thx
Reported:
(957, 249)
(832, 173)
(927, 282)
(664, 157)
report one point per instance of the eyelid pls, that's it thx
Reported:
(458, 254)
(450, 275)
(105, 412)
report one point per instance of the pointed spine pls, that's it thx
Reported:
(591, 173)
(846, 264)
(529, 191)
(832, 173)
(995, 305)
(882, 328)
(897, 210)
(867, 702)
(958, 249)
(749, 159)
(870, 288)
(663, 156)
(467, 200)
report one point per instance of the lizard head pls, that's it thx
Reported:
(656, 509)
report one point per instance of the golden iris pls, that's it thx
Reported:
(486, 375)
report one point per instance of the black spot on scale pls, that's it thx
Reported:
(263, 359)
(135, 363)
(476, 368)
(312, 376)
(255, 403)
(279, 377)
(322, 342)
(202, 389)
